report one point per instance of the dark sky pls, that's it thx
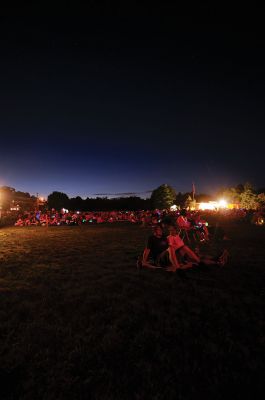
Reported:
(121, 105)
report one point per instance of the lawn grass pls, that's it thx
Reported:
(79, 321)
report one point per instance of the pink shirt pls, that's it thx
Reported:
(183, 222)
(175, 241)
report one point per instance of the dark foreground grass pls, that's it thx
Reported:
(79, 321)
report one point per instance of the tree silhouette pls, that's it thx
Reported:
(58, 200)
(163, 197)
(248, 199)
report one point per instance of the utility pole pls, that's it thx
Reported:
(193, 191)
(37, 201)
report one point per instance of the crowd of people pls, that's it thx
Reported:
(186, 221)
(174, 232)
(64, 217)
(171, 245)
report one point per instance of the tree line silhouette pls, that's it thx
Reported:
(161, 197)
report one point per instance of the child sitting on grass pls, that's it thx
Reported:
(178, 250)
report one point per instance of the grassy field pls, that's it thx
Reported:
(79, 321)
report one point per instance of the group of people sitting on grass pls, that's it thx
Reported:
(169, 251)
(191, 224)
(55, 218)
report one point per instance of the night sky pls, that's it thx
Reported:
(123, 105)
